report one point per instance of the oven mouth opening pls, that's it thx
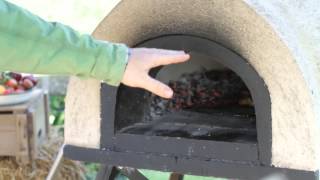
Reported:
(211, 102)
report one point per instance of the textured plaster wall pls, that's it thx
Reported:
(297, 22)
(279, 38)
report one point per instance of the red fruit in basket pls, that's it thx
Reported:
(19, 91)
(20, 86)
(33, 79)
(12, 83)
(8, 91)
(27, 83)
(2, 89)
(16, 76)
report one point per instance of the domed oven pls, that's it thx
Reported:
(234, 109)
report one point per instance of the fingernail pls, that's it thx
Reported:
(169, 93)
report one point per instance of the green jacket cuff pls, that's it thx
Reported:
(111, 63)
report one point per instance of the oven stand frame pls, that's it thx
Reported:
(242, 170)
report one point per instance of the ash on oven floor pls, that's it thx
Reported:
(233, 127)
(207, 105)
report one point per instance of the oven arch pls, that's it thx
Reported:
(226, 57)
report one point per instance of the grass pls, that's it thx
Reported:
(156, 175)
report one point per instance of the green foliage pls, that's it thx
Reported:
(82, 15)
(157, 175)
(57, 110)
(91, 170)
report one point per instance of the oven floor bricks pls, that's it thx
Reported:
(280, 39)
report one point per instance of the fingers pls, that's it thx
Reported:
(159, 51)
(142, 60)
(158, 88)
(166, 51)
(169, 58)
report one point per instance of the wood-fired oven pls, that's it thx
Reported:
(241, 108)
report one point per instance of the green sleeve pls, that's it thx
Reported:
(29, 44)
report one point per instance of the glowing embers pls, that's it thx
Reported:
(203, 90)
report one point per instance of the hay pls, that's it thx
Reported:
(40, 167)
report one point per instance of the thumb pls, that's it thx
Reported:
(158, 88)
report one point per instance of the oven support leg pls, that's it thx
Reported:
(110, 172)
(176, 176)
(107, 172)
(132, 174)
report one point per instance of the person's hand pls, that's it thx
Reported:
(141, 60)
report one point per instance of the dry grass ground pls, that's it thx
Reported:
(69, 170)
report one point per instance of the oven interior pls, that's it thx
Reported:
(210, 102)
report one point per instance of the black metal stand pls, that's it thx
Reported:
(203, 167)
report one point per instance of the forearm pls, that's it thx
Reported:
(30, 44)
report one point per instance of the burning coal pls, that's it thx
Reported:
(203, 89)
